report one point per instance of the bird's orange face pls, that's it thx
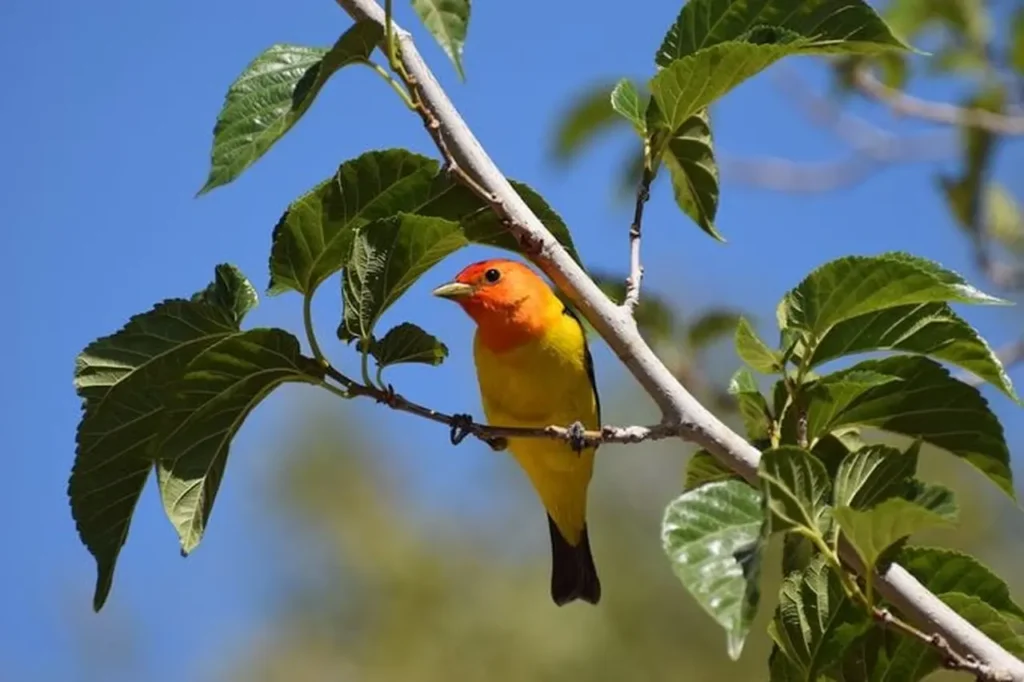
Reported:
(508, 301)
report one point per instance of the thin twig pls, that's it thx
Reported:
(620, 331)
(950, 658)
(937, 112)
(636, 268)
(463, 425)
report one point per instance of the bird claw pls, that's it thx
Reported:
(461, 425)
(498, 443)
(576, 435)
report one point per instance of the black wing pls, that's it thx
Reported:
(588, 361)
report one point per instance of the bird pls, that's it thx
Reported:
(534, 369)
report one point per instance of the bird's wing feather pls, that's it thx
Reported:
(588, 361)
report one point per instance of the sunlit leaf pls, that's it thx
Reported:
(856, 285)
(447, 21)
(124, 381)
(217, 391)
(987, 619)
(929, 404)
(273, 92)
(872, 531)
(757, 418)
(840, 25)
(945, 570)
(832, 394)
(931, 329)
(797, 488)
(755, 352)
(713, 538)
(873, 474)
(628, 103)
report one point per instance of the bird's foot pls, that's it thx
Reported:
(497, 443)
(461, 426)
(576, 435)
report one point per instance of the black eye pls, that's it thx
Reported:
(492, 275)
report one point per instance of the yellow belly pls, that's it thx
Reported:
(538, 384)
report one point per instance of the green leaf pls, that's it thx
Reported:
(796, 487)
(704, 468)
(757, 418)
(710, 326)
(882, 654)
(218, 390)
(842, 25)
(873, 474)
(690, 159)
(931, 405)
(713, 539)
(871, 532)
(447, 21)
(273, 93)
(388, 256)
(815, 621)
(945, 570)
(589, 115)
(313, 239)
(931, 329)
(626, 102)
(857, 285)
(124, 381)
(986, 619)
(936, 498)
(832, 394)
(408, 343)
(755, 352)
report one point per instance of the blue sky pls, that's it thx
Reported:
(106, 134)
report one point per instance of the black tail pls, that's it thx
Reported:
(573, 574)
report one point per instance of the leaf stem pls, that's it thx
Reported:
(389, 38)
(636, 268)
(395, 85)
(307, 320)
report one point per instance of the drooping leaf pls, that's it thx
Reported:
(815, 621)
(755, 352)
(945, 570)
(1004, 220)
(832, 394)
(796, 487)
(447, 21)
(872, 531)
(273, 92)
(690, 158)
(929, 404)
(703, 468)
(713, 538)
(856, 285)
(931, 329)
(757, 418)
(873, 474)
(710, 326)
(388, 256)
(217, 391)
(841, 25)
(408, 343)
(628, 103)
(313, 239)
(589, 115)
(124, 382)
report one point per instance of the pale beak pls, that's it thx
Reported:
(453, 290)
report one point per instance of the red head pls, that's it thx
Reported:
(509, 302)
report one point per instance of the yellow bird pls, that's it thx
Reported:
(534, 369)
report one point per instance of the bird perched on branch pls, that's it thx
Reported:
(535, 370)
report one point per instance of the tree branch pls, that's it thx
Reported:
(636, 269)
(617, 327)
(937, 112)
